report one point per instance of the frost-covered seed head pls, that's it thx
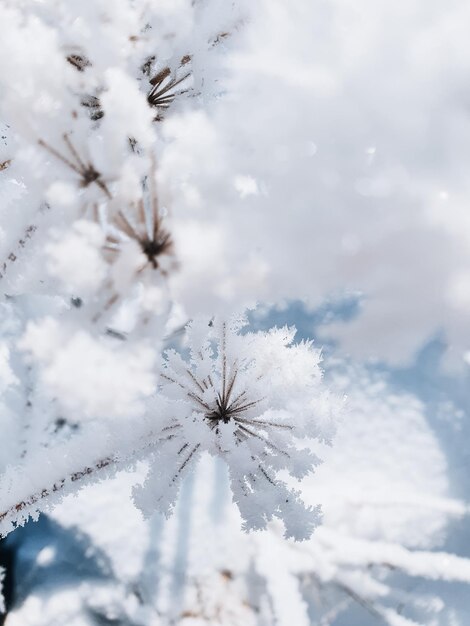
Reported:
(87, 171)
(143, 224)
(249, 399)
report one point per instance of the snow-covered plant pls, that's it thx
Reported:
(248, 398)
(167, 166)
(383, 554)
(101, 264)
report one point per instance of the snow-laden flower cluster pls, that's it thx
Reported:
(256, 400)
(249, 399)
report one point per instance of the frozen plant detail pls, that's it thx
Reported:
(87, 172)
(249, 399)
(152, 173)
(166, 85)
(144, 226)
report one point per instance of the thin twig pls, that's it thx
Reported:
(12, 257)
(146, 445)
(57, 486)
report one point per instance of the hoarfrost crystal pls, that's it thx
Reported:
(248, 398)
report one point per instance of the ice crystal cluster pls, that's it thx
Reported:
(249, 399)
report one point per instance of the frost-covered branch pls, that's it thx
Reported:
(23, 509)
(64, 468)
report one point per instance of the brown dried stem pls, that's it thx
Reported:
(143, 447)
(56, 487)
(86, 170)
(12, 257)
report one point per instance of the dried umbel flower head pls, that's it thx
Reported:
(248, 399)
(166, 84)
(85, 169)
(126, 253)
(138, 252)
(142, 222)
